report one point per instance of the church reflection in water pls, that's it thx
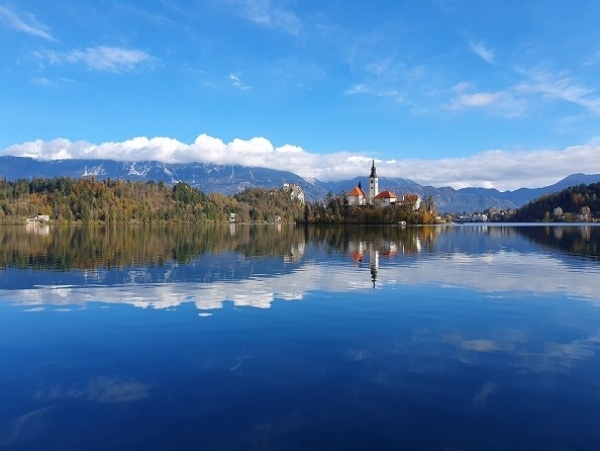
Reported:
(162, 268)
(373, 251)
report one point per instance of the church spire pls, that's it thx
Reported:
(373, 171)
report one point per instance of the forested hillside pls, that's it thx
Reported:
(577, 203)
(231, 179)
(90, 200)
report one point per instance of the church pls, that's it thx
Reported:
(358, 196)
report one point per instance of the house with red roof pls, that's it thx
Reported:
(386, 198)
(412, 199)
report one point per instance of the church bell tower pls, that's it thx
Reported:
(373, 184)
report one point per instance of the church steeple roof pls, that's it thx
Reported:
(373, 171)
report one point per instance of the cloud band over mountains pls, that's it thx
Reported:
(498, 169)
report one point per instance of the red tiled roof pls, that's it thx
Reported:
(386, 195)
(357, 192)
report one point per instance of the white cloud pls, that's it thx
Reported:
(479, 49)
(102, 58)
(513, 101)
(478, 99)
(363, 88)
(26, 23)
(525, 272)
(237, 82)
(560, 87)
(508, 170)
(42, 81)
(499, 169)
(384, 77)
(509, 103)
(268, 15)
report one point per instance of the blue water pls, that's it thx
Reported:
(470, 338)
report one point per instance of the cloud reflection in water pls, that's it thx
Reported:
(497, 273)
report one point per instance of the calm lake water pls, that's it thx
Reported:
(283, 338)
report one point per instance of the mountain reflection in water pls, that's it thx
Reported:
(460, 337)
(254, 265)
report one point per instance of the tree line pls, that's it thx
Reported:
(336, 210)
(577, 203)
(90, 200)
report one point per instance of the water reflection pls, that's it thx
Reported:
(253, 266)
(117, 246)
(101, 389)
(582, 241)
(471, 329)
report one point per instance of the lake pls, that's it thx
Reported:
(284, 338)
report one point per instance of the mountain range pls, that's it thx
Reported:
(231, 179)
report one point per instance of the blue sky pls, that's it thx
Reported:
(487, 93)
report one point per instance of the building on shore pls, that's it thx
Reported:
(357, 195)
(386, 198)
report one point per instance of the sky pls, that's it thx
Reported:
(491, 93)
